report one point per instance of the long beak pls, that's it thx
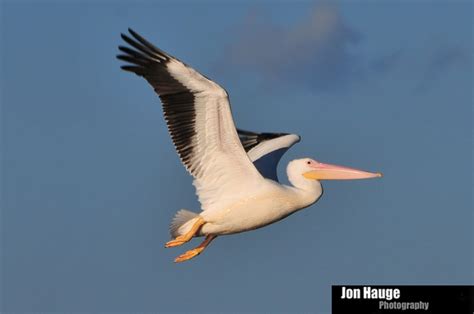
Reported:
(332, 172)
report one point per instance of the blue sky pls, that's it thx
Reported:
(90, 179)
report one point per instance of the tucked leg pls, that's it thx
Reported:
(196, 251)
(180, 240)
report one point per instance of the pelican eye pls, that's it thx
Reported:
(308, 162)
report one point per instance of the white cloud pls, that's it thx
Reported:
(315, 51)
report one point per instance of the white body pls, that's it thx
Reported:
(270, 203)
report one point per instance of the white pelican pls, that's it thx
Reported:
(234, 171)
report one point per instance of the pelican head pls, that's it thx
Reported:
(307, 169)
(315, 170)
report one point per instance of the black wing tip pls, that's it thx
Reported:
(131, 60)
(127, 38)
(123, 48)
(132, 32)
(245, 132)
(133, 69)
(262, 135)
(137, 37)
(124, 36)
(270, 135)
(144, 46)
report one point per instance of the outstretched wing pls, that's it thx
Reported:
(266, 149)
(199, 119)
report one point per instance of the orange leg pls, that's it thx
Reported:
(180, 240)
(196, 251)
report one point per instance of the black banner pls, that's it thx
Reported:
(403, 299)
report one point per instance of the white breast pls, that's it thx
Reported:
(271, 203)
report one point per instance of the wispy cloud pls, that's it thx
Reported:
(314, 51)
(386, 63)
(442, 60)
(322, 52)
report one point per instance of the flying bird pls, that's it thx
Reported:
(234, 170)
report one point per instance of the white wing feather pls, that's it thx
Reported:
(223, 173)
